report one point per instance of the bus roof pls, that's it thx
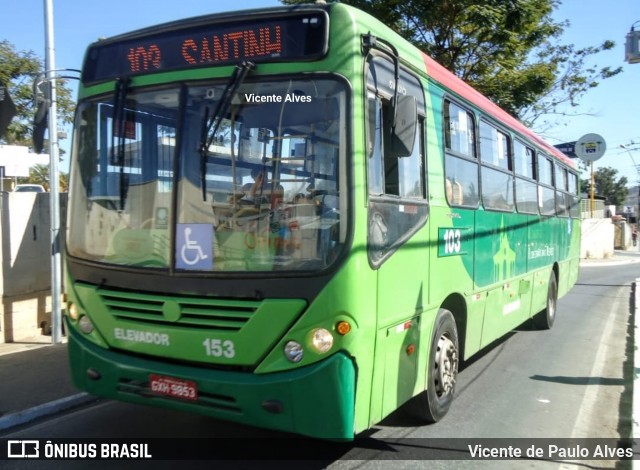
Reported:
(444, 77)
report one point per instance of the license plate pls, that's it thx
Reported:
(173, 387)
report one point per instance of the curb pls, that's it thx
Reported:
(22, 417)
(616, 262)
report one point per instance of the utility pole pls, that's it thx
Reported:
(54, 180)
(637, 167)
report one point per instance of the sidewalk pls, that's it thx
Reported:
(632, 255)
(35, 380)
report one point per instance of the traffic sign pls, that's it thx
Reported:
(568, 148)
(590, 147)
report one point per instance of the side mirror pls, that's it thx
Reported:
(404, 134)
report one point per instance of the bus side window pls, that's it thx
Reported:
(497, 168)
(374, 154)
(391, 181)
(546, 192)
(526, 191)
(396, 181)
(389, 174)
(563, 201)
(574, 207)
(397, 205)
(461, 168)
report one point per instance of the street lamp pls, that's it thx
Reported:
(632, 46)
(56, 265)
(48, 109)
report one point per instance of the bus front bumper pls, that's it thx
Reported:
(316, 400)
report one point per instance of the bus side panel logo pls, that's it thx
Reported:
(194, 247)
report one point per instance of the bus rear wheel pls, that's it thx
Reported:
(433, 404)
(544, 319)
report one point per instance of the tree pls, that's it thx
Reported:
(509, 50)
(606, 184)
(39, 174)
(18, 70)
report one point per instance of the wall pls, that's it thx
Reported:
(623, 240)
(599, 209)
(25, 260)
(597, 238)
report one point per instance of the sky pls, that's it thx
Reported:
(610, 110)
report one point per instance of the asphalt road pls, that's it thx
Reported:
(574, 381)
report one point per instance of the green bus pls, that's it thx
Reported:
(294, 219)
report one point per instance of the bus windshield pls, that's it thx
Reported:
(155, 184)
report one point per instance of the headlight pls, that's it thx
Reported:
(321, 340)
(293, 351)
(73, 311)
(85, 324)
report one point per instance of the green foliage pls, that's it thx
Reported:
(39, 174)
(509, 50)
(606, 183)
(18, 70)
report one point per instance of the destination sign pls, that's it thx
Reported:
(302, 36)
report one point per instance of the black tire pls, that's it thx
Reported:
(434, 403)
(544, 320)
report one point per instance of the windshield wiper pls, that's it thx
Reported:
(211, 123)
(119, 129)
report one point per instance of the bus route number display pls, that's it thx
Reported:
(293, 37)
(246, 44)
(452, 241)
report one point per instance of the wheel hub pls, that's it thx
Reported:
(446, 366)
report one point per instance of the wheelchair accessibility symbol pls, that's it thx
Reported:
(194, 246)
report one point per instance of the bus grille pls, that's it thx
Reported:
(192, 312)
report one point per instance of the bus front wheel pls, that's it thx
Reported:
(544, 319)
(432, 404)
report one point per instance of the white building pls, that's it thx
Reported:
(15, 162)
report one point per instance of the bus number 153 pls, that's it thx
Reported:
(218, 348)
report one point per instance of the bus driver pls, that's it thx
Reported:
(260, 190)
